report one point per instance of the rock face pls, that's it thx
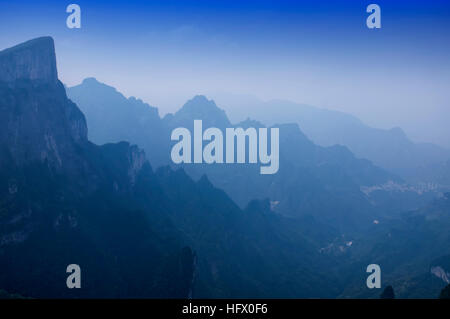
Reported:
(65, 200)
(33, 60)
(39, 122)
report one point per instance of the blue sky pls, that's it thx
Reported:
(315, 52)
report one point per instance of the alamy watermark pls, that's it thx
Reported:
(74, 279)
(374, 279)
(73, 21)
(214, 151)
(374, 19)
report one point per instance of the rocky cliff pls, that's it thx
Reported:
(39, 122)
(33, 60)
(64, 200)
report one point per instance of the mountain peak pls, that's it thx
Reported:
(201, 99)
(200, 103)
(32, 60)
(39, 124)
(90, 80)
(200, 108)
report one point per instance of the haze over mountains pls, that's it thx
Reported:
(150, 230)
(323, 183)
(389, 149)
(330, 175)
(65, 200)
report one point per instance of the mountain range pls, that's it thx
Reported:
(324, 182)
(390, 149)
(135, 232)
(75, 189)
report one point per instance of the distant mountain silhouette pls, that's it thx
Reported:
(389, 149)
(111, 118)
(312, 180)
(198, 107)
(321, 194)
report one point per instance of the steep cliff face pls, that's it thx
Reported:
(33, 60)
(39, 122)
(64, 200)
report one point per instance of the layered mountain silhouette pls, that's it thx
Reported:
(325, 186)
(104, 102)
(324, 182)
(135, 232)
(389, 149)
(172, 232)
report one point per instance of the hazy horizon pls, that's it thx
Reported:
(320, 54)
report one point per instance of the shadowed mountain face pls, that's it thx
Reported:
(66, 201)
(45, 125)
(134, 232)
(312, 180)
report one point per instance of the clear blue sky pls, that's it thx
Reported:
(315, 52)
